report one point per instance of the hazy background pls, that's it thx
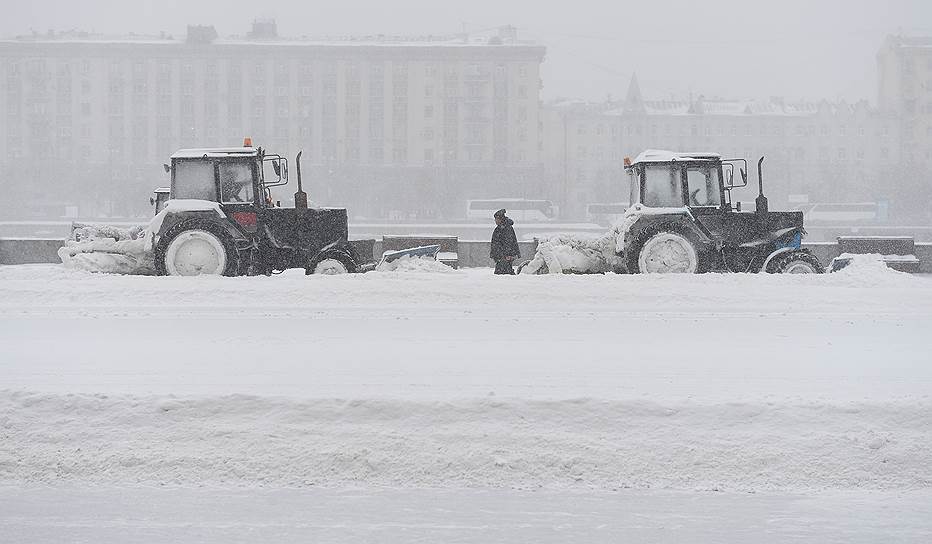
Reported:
(728, 48)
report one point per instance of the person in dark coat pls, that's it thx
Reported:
(504, 244)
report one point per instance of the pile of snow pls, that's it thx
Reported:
(868, 269)
(410, 263)
(109, 256)
(511, 443)
(108, 249)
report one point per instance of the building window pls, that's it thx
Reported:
(428, 112)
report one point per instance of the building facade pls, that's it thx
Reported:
(904, 66)
(392, 128)
(815, 151)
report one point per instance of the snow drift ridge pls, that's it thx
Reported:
(595, 444)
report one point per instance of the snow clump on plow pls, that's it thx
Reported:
(568, 253)
(109, 249)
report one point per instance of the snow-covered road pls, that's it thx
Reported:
(612, 387)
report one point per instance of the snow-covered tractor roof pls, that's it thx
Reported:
(215, 152)
(659, 155)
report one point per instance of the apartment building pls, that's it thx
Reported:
(391, 127)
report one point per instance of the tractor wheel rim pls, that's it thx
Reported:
(193, 253)
(800, 267)
(330, 267)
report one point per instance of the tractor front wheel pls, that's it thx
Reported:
(194, 248)
(795, 262)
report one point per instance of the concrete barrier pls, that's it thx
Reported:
(29, 251)
(472, 253)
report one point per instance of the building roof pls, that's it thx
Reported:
(386, 40)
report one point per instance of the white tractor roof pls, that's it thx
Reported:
(215, 152)
(659, 155)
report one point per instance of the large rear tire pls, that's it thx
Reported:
(665, 252)
(799, 261)
(196, 247)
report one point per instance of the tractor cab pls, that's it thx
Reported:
(684, 220)
(661, 179)
(229, 176)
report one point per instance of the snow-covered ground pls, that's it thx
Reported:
(673, 408)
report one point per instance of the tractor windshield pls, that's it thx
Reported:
(662, 187)
(194, 179)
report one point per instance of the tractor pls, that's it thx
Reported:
(683, 219)
(221, 219)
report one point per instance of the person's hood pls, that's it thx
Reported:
(507, 221)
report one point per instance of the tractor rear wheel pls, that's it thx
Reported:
(196, 247)
(799, 261)
(666, 252)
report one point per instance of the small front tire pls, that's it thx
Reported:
(330, 265)
(796, 262)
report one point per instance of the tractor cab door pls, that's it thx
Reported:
(237, 180)
(705, 197)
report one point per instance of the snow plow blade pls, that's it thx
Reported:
(414, 252)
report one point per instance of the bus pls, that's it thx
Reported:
(605, 214)
(519, 209)
(836, 213)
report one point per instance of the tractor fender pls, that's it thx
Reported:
(649, 221)
(792, 244)
(773, 255)
(771, 236)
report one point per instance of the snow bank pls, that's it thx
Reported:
(867, 270)
(409, 263)
(522, 444)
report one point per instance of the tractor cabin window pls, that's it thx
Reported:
(194, 179)
(235, 182)
(634, 186)
(704, 186)
(662, 187)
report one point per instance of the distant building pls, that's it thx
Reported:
(819, 151)
(904, 68)
(391, 127)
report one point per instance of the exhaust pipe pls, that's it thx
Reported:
(300, 197)
(761, 200)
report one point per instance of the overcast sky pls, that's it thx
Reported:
(731, 48)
